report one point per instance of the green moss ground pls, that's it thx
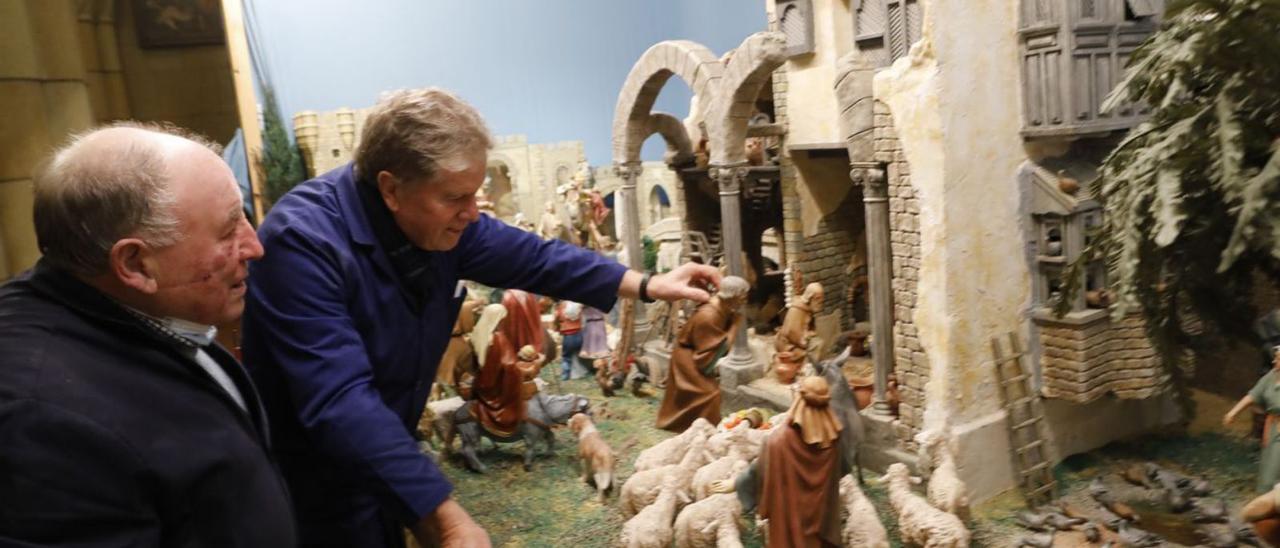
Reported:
(550, 506)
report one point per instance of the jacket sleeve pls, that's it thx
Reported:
(297, 300)
(64, 480)
(498, 255)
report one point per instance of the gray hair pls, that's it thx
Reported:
(90, 196)
(733, 287)
(413, 134)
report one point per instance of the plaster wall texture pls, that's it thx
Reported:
(954, 103)
(813, 99)
(1075, 428)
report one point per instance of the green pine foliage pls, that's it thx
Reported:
(1192, 196)
(281, 160)
(650, 254)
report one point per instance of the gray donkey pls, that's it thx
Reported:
(541, 412)
(846, 409)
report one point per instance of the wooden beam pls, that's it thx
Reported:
(246, 99)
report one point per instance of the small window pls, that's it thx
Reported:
(1052, 276)
(796, 23)
(1135, 10)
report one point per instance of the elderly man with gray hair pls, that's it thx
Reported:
(350, 311)
(122, 422)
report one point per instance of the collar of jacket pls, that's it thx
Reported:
(359, 224)
(371, 224)
(65, 288)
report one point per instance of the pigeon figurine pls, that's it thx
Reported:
(1091, 532)
(1132, 536)
(1208, 510)
(1137, 475)
(1098, 490)
(1198, 487)
(1218, 537)
(1061, 522)
(1033, 520)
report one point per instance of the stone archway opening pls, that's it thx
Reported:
(659, 204)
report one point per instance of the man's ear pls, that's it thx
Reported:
(389, 188)
(131, 262)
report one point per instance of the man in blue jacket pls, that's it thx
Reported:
(350, 311)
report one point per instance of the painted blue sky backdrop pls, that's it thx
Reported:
(549, 69)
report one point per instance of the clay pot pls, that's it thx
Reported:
(1068, 185)
(864, 389)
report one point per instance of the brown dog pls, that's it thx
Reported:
(597, 458)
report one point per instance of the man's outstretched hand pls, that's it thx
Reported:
(450, 527)
(691, 281)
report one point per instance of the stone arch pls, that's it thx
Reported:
(691, 61)
(750, 67)
(679, 146)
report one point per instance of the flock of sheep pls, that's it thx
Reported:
(670, 499)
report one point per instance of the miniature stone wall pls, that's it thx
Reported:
(1088, 355)
(792, 228)
(824, 257)
(911, 364)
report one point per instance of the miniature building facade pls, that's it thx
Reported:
(1073, 54)
(986, 206)
(885, 29)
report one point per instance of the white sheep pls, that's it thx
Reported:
(862, 525)
(919, 523)
(946, 491)
(651, 528)
(712, 521)
(642, 488)
(671, 450)
(727, 467)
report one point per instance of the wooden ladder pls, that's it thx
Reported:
(1026, 422)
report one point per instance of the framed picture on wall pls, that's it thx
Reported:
(170, 23)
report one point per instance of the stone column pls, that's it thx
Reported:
(875, 198)
(630, 212)
(740, 367)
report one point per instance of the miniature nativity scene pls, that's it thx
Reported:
(916, 338)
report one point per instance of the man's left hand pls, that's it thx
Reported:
(691, 281)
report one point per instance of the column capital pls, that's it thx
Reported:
(628, 172)
(867, 173)
(729, 178)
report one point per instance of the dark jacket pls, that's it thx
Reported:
(112, 435)
(345, 349)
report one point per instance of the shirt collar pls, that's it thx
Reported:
(184, 332)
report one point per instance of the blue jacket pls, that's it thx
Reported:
(344, 360)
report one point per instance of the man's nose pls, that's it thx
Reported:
(472, 210)
(250, 247)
